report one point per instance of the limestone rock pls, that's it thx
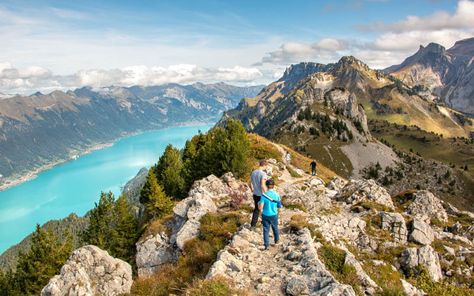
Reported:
(426, 257)
(296, 286)
(410, 290)
(421, 232)
(369, 286)
(152, 252)
(365, 190)
(337, 184)
(395, 223)
(91, 271)
(426, 206)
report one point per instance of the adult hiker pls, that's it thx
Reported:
(313, 167)
(288, 157)
(269, 204)
(257, 184)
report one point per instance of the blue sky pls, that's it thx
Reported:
(63, 44)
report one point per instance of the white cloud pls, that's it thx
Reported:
(31, 79)
(323, 50)
(395, 41)
(463, 18)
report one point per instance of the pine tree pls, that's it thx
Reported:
(41, 262)
(169, 172)
(156, 202)
(99, 232)
(125, 230)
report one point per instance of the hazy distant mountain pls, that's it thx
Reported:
(449, 74)
(39, 129)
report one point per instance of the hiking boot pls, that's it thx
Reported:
(264, 248)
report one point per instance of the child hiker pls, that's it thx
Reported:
(269, 204)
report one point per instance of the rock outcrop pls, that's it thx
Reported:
(395, 223)
(426, 206)
(204, 197)
(421, 232)
(365, 190)
(425, 257)
(91, 271)
(153, 252)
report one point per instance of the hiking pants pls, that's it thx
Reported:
(268, 221)
(256, 200)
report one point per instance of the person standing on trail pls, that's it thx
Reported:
(257, 184)
(288, 157)
(313, 165)
(269, 204)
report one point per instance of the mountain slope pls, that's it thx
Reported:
(448, 74)
(41, 129)
(322, 110)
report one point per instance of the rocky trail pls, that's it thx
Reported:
(340, 238)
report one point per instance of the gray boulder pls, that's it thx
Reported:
(91, 271)
(296, 286)
(427, 206)
(421, 233)
(337, 184)
(365, 190)
(395, 223)
(425, 257)
(153, 252)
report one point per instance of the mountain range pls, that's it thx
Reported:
(362, 122)
(447, 73)
(42, 129)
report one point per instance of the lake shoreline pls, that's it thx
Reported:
(11, 182)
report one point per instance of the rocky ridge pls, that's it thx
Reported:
(347, 237)
(447, 73)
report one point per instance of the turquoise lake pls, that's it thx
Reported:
(74, 186)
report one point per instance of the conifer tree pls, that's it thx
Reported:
(125, 230)
(99, 232)
(156, 202)
(44, 259)
(169, 172)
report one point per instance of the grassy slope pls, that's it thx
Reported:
(436, 122)
(264, 148)
(451, 151)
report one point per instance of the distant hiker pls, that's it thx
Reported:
(257, 184)
(288, 157)
(313, 167)
(269, 204)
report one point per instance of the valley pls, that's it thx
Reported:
(40, 131)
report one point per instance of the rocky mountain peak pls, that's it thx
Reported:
(297, 72)
(432, 47)
(463, 47)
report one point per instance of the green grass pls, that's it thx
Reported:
(431, 146)
(386, 278)
(333, 157)
(334, 260)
